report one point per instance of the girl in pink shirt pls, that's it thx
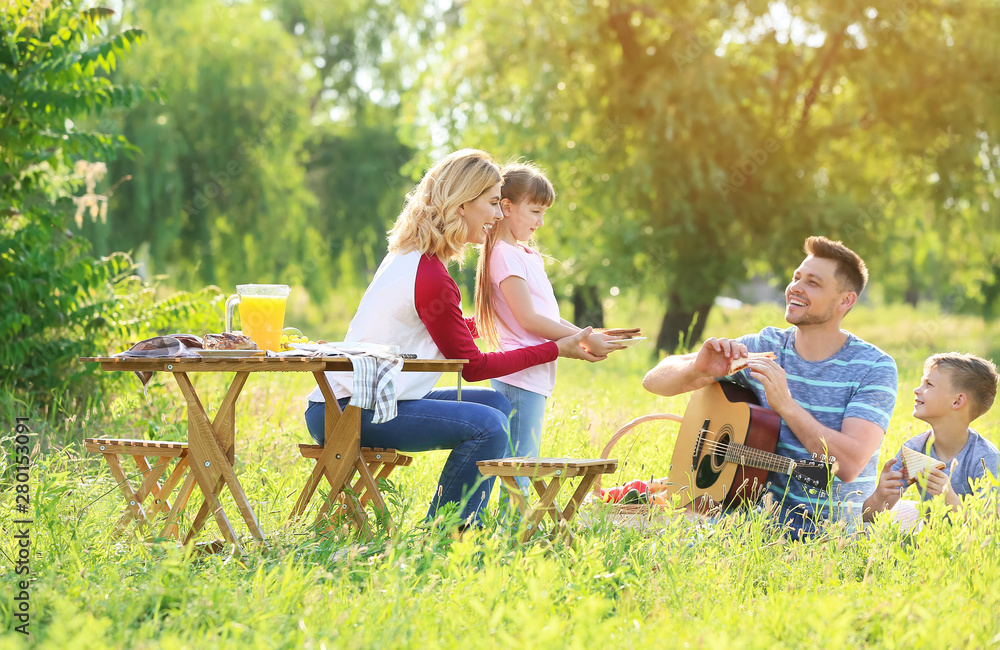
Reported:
(516, 307)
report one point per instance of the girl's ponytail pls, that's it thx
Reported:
(486, 311)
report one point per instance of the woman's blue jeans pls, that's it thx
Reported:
(474, 429)
(526, 417)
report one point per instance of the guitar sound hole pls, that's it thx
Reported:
(719, 453)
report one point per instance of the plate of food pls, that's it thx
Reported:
(622, 335)
(229, 345)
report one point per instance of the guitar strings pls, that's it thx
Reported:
(747, 452)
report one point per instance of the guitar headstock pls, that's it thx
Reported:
(816, 473)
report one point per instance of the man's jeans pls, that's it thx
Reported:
(474, 429)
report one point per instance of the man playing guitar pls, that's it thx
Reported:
(833, 391)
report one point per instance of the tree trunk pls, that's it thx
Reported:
(682, 327)
(587, 308)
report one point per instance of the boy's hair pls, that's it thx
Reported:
(429, 222)
(521, 182)
(972, 375)
(851, 269)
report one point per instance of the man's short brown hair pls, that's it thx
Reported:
(851, 269)
(969, 374)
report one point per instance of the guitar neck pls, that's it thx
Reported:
(743, 455)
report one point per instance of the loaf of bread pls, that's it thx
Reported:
(229, 341)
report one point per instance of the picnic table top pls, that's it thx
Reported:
(260, 364)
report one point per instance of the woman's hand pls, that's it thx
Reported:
(599, 344)
(570, 347)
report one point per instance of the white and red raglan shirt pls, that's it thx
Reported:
(412, 302)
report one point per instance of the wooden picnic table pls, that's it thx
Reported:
(212, 441)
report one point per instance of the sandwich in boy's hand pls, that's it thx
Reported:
(741, 363)
(915, 463)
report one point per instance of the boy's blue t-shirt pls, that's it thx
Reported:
(859, 381)
(978, 456)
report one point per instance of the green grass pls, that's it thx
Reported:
(738, 584)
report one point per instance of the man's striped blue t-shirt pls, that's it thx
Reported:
(859, 381)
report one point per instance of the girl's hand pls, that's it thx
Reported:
(600, 345)
(570, 347)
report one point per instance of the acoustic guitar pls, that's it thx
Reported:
(725, 449)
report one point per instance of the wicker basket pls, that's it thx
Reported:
(632, 515)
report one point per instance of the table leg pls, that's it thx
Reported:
(210, 460)
(340, 459)
(225, 428)
(343, 445)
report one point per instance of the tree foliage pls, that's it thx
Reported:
(274, 155)
(695, 143)
(59, 302)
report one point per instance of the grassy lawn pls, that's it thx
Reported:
(737, 584)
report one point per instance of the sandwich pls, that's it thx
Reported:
(619, 334)
(915, 464)
(741, 363)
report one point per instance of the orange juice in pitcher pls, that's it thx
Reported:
(262, 312)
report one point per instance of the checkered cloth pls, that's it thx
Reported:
(375, 372)
(375, 384)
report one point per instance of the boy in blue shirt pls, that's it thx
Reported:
(955, 390)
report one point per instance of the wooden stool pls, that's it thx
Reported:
(142, 452)
(539, 469)
(380, 462)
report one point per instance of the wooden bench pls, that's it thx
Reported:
(152, 459)
(556, 471)
(381, 463)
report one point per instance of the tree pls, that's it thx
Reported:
(692, 143)
(219, 195)
(58, 301)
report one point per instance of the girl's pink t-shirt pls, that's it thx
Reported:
(526, 263)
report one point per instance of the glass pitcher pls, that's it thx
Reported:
(262, 312)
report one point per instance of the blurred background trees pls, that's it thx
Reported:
(693, 145)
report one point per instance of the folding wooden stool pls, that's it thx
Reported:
(143, 452)
(537, 470)
(381, 463)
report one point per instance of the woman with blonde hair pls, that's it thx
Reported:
(412, 302)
